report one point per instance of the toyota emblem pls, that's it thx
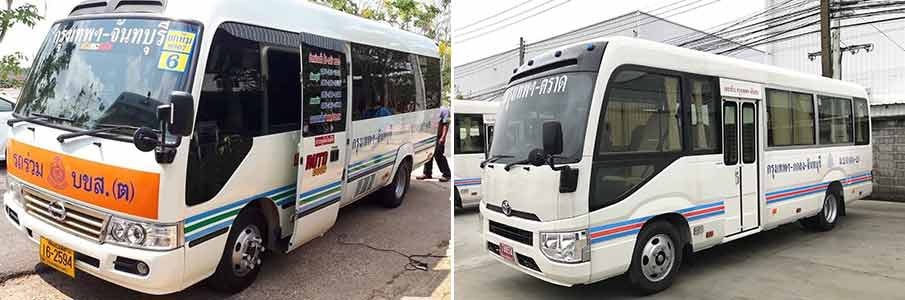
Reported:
(57, 210)
(507, 210)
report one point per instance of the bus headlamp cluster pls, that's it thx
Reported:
(566, 247)
(143, 235)
(14, 187)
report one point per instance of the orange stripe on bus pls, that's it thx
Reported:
(123, 190)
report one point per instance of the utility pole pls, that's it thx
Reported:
(521, 51)
(826, 51)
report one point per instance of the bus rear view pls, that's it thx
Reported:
(622, 156)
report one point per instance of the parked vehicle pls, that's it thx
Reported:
(160, 143)
(473, 131)
(620, 155)
(6, 111)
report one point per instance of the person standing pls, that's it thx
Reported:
(442, 130)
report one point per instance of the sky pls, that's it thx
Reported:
(572, 15)
(27, 40)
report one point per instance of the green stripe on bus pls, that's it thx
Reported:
(319, 195)
(371, 163)
(212, 220)
(283, 195)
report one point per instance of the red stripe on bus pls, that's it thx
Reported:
(615, 230)
(701, 212)
(819, 187)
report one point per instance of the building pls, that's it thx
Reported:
(486, 78)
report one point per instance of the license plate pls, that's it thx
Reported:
(506, 252)
(57, 257)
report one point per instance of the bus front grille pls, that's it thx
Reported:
(512, 233)
(80, 221)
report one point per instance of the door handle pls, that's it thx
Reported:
(737, 176)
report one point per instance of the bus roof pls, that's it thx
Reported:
(294, 16)
(626, 50)
(475, 107)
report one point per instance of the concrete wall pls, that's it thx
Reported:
(889, 158)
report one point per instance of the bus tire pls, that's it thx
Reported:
(656, 259)
(242, 257)
(393, 194)
(457, 199)
(826, 219)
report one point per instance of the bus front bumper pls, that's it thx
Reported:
(528, 258)
(166, 268)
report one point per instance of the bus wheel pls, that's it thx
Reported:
(657, 257)
(392, 195)
(242, 257)
(826, 219)
(457, 199)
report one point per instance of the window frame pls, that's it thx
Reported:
(814, 118)
(851, 118)
(481, 128)
(866, 116)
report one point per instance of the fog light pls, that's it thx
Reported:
(142, 268)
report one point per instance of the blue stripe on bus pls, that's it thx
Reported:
(233, 205)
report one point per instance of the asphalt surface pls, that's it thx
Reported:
(325, 268)
(862, 258)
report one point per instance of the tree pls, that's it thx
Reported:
(11, 64)
(411, 15)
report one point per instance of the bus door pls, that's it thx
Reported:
(322, 146)
(740, 154)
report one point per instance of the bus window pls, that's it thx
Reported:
(730, 133)
(749, 133)
(790, 118)
(383, 82)
(642, 114)
(284, 91)
(835, 120)
(862, 122)
(468, 133)
(704, 108)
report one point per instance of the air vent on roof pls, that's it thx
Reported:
(91, 7)
(140, 6)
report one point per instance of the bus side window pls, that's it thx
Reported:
(284, 91)
(835, 120)
(730, 133)
(862, 122)
(383, 82)
(703, 121)
(229, 115)
(468, 133)
(749, 134)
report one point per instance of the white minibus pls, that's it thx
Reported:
(473, 131)
(622, 156)
(159, 143)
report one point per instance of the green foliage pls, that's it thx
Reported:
(11, 65)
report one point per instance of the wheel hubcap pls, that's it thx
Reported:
(247, 250)
(401, 181)
(829, 209)
(657, 257)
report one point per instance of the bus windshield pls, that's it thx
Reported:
(109, 71)
(526, 106)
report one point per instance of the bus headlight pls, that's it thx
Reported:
(566, 247)
(143, 235)
(14, 187)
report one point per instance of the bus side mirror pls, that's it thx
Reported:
(552, 138)
(180, 113)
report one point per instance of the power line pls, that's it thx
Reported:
(494, 15)
(516, 22)
(884, 34)
(503, 19)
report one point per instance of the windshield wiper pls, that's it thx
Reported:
(104, 129)
(46, 116)
(509, 165)
(32, 118)
(493, 159)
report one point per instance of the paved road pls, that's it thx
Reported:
(862, 258)
(321, 269)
